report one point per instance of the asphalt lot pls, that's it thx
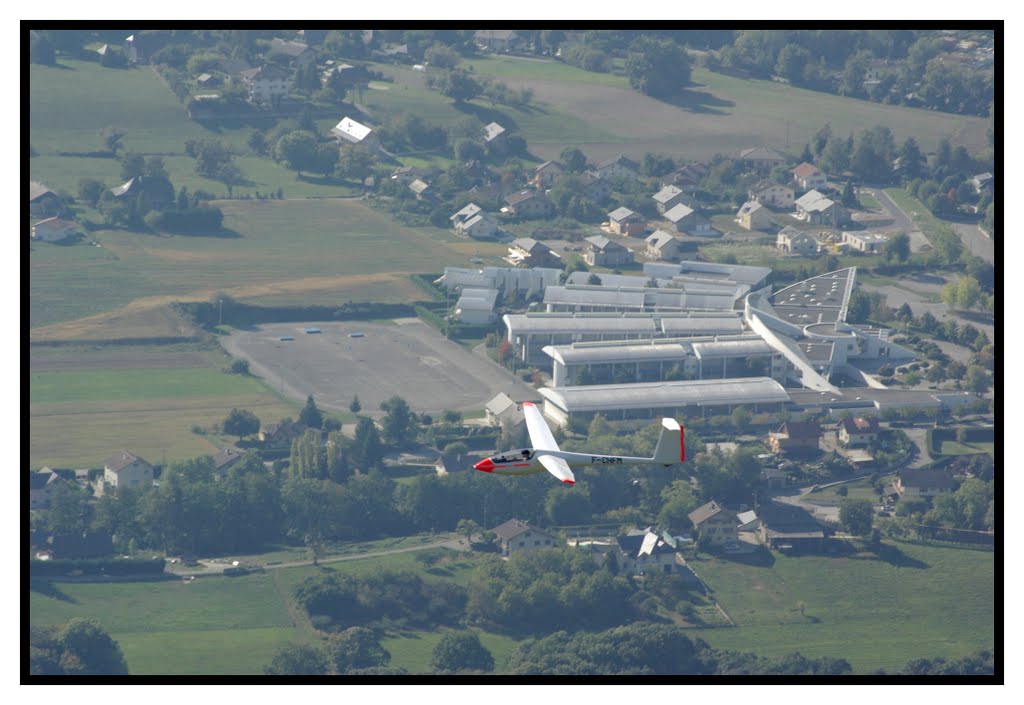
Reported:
(406, 358)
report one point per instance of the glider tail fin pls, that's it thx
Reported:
(671, 448)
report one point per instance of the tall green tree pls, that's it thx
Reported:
(241, 423)
(81, 648)
(297, 660)
(356, 648)
(657, 67)
(856, 516)
(398, 423)
(460, 651)
(310, 414)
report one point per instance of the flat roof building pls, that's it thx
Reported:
(563, 405)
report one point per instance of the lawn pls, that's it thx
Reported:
(87, 403)
(343, 250)
(859, 489)
(413, 650)
(916, 601)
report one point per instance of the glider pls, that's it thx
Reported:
(545, 454)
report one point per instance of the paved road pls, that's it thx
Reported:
(976, 241)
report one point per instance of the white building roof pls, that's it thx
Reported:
(659, 395)
(351, 130)
(732, 348)
(667, 194)
(678, 212)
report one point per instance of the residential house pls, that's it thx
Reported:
(348, 131)
(602, 251)
(476, 306)
(406, 174)
(774, 478)
(529, 204)
(547, 174)
(688, 176)
(788, 527)
(481, 226)
(715, 525)
(625, 222)
(126, 470)
(503, 411)
(208, 80)
(298, 52)
(42, 201)
(516, 536)
(495, 138)
(753, 216)
(858, 430)
(618, 167)
(41, 487)
(771, 194)
(796, 242)
(224, 460)
(795, 437)
(809, 177)
(155, 192)
(668, 197)
(527, 252)
(664, 246)
(644, 552)
(816, 207)
(748, 521)
(868, 243)
(917, 482)
(761, 159)
(56, 230)
(982, 182)
(346, 74)
(595, 188)
(421, 189)
(266, 84)
(278, 436)
(467, 212)
(687, 220)
(497, 39)
(398, 53)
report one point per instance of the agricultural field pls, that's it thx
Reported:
(88, 403)
(912, 601)
(859, 489)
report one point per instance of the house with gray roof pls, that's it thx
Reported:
(687, 220)
(548, 174)
(503, 411)
(529, 204)
(816, 207)
(42, 485)
(495, 138)
(772, 194)
(125, 469)
(297, 52)
(625, 222)
(663, 246)
(753, 216)
(646, 552)
(476, 306)
(620, 167)
(224, 460)
(42, 200)
(527, 252)
(760, 159)
(515, 536)
(668, 197)
(497, 39)
(796, 242)
(605, 252)
(57, 230)
(715, 525)
(348, 131)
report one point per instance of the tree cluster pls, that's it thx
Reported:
(79, 648)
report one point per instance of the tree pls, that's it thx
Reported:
(398, 423)
(240, 367)
(112, 138)
(297, 150)
(856, 516)
(657, 67)
(441, 56)
(460, 651)
(355, 407)
(367, 450)
(792, 62)
(88, 650)
(977, 380)
(741, 416)
(573, 159)
(132, 165)
(90, 191)
(241, 423)
(310, 414)
(469, 527)
(456, 84)
(355, 648)
(297, 660)
(898, 247)
(355, 163)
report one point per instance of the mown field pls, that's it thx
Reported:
(915, 601)
(87, 403)
(291, 251)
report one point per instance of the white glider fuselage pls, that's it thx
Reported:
(546, 455)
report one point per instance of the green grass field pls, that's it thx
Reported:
(921, 602)
(88, 403)
(860, 489)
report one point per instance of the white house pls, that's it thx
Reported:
(126, 470)
(266, 84)
(348, 131)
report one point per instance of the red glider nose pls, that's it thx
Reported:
(485, 465)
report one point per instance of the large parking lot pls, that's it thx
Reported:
(406, 358)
